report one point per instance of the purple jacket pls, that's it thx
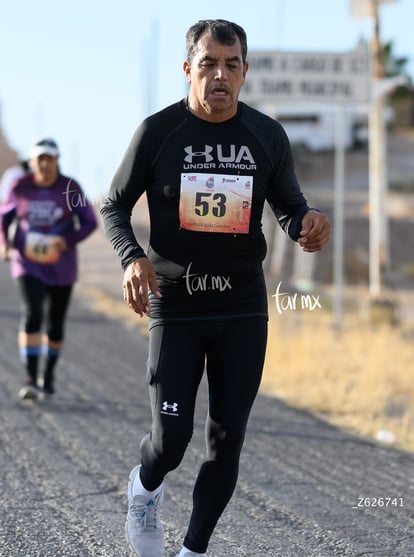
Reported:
(40, 212)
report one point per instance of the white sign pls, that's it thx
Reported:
(366, 8)
(307, 76)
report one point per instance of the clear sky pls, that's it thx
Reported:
(87, 71)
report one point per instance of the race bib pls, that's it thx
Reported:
(216, 203)
(39, 248)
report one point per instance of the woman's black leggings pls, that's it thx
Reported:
(234, 352)
(34, 294)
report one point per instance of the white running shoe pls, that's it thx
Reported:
(143, 528)
(188, 553)
(28, 392)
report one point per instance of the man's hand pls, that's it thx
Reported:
(139, 279)
(316, 231)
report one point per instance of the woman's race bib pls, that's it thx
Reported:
(40, 249)
(216, 203)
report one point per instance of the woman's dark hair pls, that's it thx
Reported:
(221, 30)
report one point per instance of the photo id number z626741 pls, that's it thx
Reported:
(379, 502)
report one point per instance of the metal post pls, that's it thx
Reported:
(338, 229)
(375, 198)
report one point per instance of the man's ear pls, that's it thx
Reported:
(187, 71)
(245, 69)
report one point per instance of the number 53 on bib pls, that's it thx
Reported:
(216, 203)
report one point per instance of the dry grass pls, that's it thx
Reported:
(361, 378)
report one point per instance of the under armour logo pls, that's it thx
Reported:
(205, 153)
(168, 408)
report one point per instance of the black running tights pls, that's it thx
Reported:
(233, 353)
(34, 294)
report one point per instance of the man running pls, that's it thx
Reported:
(207, 165)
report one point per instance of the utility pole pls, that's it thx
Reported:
(378, 175)
(378, 179)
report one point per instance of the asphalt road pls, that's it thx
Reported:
(306, 489)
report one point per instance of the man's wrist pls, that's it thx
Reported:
(133, 257)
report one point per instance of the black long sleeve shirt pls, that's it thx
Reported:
(206, 185)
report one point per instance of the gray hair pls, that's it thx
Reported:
(221, 30)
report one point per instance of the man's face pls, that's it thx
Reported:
(45, 169)
(216, 76)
